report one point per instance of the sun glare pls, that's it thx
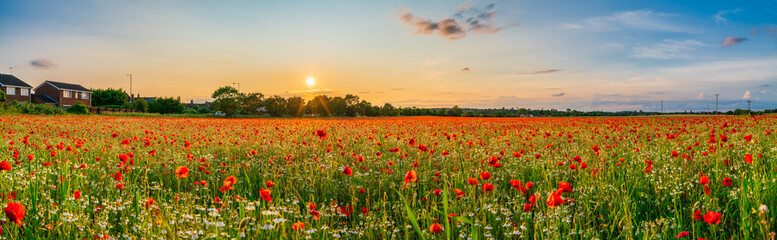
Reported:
(311, 81)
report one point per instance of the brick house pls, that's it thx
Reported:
(64, 94)
(15, 89)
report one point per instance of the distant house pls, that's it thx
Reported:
(136, 97)
(191, 104)
(64, 94)
(15, 89)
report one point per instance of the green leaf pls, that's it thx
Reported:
(410, 215)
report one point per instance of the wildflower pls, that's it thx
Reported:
(411, 176)
(265, 194)
(4, 165)
(298, 226)
(488, 187)
(435, 228)
(347, 171)
(182, 172)
(485, 175)
(554, 199)
(712, 217)
(14, 212)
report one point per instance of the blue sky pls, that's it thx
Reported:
(591, 55)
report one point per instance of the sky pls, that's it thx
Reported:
(586, 55)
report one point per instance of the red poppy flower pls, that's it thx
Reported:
(485, 175)
(472, 181)
(435, 228)
(14, 212)
(459, 193)
(565, 187)
(411, 176)
(77, 195)
(704, 180)
(682, 234)
(487, 187)
(554, 199)
(529, 185)
(270, 184)
(4, 165)
(347, 210)
(727, 181)
(265, 194)
(150, 202)
(527, 207)
(697, 215)
(749, 158)
(749, 137)
(533, 199)
(120, 186)
(712, 217)
(438, 192)
(182, 172)
(298, 226)
(347, 171)
(320, 133)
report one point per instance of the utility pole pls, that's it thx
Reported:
(662, 106)
(716, 103)
(11, 70)
(748, 106)
(132, 97)
(238, 86)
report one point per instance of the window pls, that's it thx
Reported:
(10, 91)
(25, 92)
(66, 94)
(84, 95)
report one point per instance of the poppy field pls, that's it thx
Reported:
(97, 177)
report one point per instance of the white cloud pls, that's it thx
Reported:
(720, 16)
(763, 91)
(638, 19)
(747, 95)
(701, 95)
(667, 49)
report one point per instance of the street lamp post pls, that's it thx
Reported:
(238, 86)
(132, 98)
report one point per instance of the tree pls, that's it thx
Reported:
(251, 103)
(455, 111)
(275, 106)
(352, 105)
(320, 105)
(295, 106)
(140, 105)
(388, 110)
(227, 100)
(337, 106)
(110, 96)
(2, 97)
(166, 105)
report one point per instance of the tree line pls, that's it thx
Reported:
(229, 101)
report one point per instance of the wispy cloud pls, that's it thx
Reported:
(701, 96)
(539, 71)
(731, 41)
(747, 95)
(466, 69)
(720, 17)
(667, 49)
(466, 19)
(558, 94)
(638, 19)
(311, 92)
(43, 64)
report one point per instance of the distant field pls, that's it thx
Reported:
(74, 177)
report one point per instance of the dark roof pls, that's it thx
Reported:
(6, 79)
(68, 86)
(44, 98)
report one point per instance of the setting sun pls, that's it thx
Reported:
(311, 81)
